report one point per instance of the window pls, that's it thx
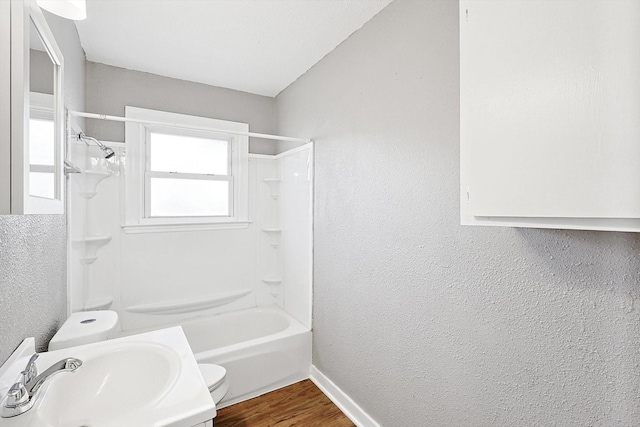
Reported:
(187, 176)
(42, 147)
(181, 175)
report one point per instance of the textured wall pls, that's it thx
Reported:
(110, 89)
(33, 247)
(424, 322)
(33, 279)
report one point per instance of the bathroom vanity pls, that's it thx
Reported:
(145, 379)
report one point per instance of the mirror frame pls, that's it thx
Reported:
(14, 188)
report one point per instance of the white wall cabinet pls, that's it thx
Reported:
(31, 130)
(550, 113)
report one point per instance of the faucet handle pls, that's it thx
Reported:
(31, 371)
(71, 364)
(17, 396)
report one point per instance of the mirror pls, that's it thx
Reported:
(42, 134)
(34, 137)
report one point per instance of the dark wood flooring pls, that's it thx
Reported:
(301, 404)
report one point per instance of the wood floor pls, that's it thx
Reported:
(301, 404)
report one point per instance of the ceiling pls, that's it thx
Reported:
(256, 46)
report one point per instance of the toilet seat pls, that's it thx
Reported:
(215, 377)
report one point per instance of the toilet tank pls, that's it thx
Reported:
(86, 327)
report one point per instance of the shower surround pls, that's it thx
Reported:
(158, 278)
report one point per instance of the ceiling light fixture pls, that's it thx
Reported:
(70, 9)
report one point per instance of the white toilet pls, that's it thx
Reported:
(87, 327)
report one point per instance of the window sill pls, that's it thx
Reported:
(172, 228)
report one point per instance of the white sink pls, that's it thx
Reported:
(108, 388)
(149, 379)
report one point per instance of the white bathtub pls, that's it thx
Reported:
(262, 348)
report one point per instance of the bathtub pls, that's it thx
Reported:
(262, 349)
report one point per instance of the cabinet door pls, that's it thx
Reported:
(550, 109)
(31, 124)
(5, 107)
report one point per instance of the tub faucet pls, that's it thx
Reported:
(22, 395)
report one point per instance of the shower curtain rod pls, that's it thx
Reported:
(151, 122)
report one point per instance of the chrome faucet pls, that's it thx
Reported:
(22, 395)
(31, 371)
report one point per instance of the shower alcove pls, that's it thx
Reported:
(153, 278)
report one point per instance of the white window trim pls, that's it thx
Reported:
(134, 219)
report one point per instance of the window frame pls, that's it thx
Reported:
(137, 178)
(42, 107)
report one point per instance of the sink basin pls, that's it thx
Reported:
(149, 379)
(110, 387)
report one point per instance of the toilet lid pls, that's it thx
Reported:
(213, 375)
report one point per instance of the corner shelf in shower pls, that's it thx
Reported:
(274, 186)
(274, 236)
(90, 180)
(273, 283)
(188, 305)
(91, 246)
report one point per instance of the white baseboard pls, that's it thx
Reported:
(350, 408)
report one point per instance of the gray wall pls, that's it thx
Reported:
(41, 72)
(110, 89)
(424, 322)
(33, 248)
